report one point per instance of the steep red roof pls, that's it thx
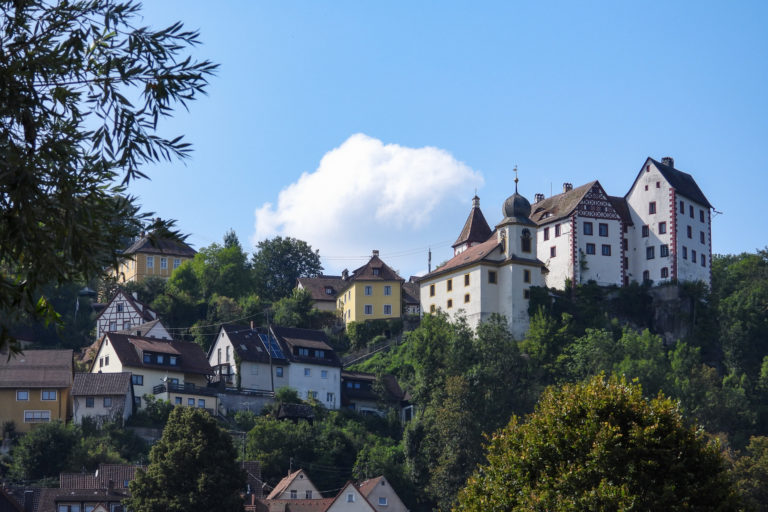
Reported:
(476, 228)
(374, 270)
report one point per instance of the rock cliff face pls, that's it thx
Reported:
(673, 313)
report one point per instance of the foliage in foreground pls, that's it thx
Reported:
(600, 445)
(192, 467)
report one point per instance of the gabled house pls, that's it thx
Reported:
(381, 495)
(671, 237)
(359, 393)
(315, 368)
(323, 289)
(35, 388)
(296, 485)
(125, 313)
(250, 358)
(148, 257)
(350, 499)
(581, 235)
(177, 371)
(372, 291)
(102, 397)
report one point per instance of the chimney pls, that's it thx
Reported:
(375, 252)
(668, 161)
(567, 187)
(345, 274)
(29, 501)
(538, 198)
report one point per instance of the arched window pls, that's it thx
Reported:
(525, 240)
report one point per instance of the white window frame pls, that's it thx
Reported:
(387, 289)
(151, 262)
(176, 262)
(323, 374)
(30, 416)
(368, 309)
(368, 290)
(163, 263)
(387, 309)
(43, 395)
(26, 395)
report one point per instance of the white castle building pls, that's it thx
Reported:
(659, 231)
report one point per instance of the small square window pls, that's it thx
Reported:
(662, 228)
(602, 229)
(191, 402)
(160, 359)
(201, 403)
(652, 207)
(279, 371)
(650, 253)
(177, 400)
(382, 501)
(492, 276)
(22, 395)
(120, 307)
(308, 494)
(587, 228)
(323, 374)
(376, 271)
(107, 401)
(307, 372)
(606, 248)
(172, 360)
(350, 497)
(137, 379)
(294, 494)
(368, 309)
(387, 309)
(590, 248)
(90, 401)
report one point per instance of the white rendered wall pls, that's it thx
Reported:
(561, 265)
(471, 310)
(687, 269)
(314, 382)
(604, 270)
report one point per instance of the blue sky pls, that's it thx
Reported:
(369, 125)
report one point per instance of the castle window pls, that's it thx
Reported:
(646, 231)
(682, 207)
(587, 228)
(703, 261)
(652, 207)
(466, 298)
(449, 285)
(689, 231)
(662, 228)
(646, 275)
(664, 273)
(602, 229)
(546, 233)
(590, 248)
(663, 250)
(557, 229)
(606, 250)
(431, 290)
(492, 276)
(449, 303)
(526, 276)
(702, 238)
(466, 279)
(690, 210)
(526, 293)
(685, 253)
(552, 252)
(701, 215)
(650, 253)
(525, 240)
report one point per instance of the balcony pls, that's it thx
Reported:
(187, 389)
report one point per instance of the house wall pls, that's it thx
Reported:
(512, 301)
(13, 410)
(301, 484)
(120, 320)
(687, 269)
(135, 268)
(358, 503)
(254, 375)
(120, 409)
(561, 264)
(438, 301)
(315, 382)
(353, 301)
(384, 490)
(604, 270)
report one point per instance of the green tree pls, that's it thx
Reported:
(278, 262)
(32, 458)
(295, 310)
(82, 92)
(600, 445)
(751, 475)
(192, 467)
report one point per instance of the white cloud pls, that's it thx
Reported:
(369, 195)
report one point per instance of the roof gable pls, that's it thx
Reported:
(374, 270)
(284, 484)
(249, 343)
(682, 182)
(138, 307)
(476, 228)
(559, 206)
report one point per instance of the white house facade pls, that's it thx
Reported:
(122, 313)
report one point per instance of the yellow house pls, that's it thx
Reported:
(152, 258)
(176, 371)
(35, 387)
(372, 291)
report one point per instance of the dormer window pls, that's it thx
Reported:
(328, 290)
(147, 357)
(172, 360)
(302, 351)
(376, 271)
(320, 354)
(160, 359)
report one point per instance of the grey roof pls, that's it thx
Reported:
(141, 329)
(248, 344)
(37, 369)
(90, 384)
(149, 245)
(316, 286)
(411, 293)
(559, 206)
(622, 208)
(682, 182)
(129, 350)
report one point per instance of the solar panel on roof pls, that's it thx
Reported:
(271, 343)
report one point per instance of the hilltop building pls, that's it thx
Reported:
(152, 257)
(372, 291)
